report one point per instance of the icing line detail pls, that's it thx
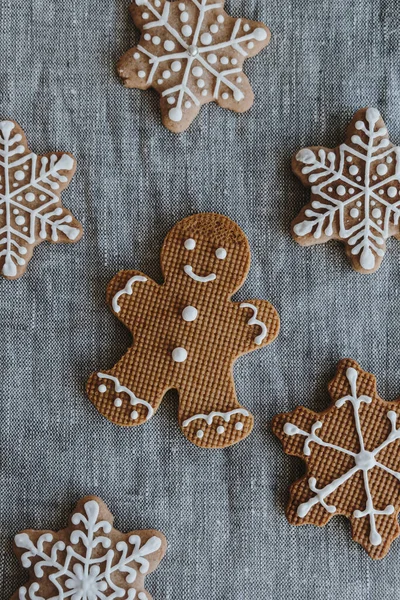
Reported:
(254, 321)
(126, 290)
(189, 271)
(133, 399)
(211, 416)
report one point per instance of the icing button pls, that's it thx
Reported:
(189, 314)
(193, 50)
(179, 355)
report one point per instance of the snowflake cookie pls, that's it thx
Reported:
(88, 560)
(30, 205)
(352, 453)
(191, 53)
(355, 192)
(187, 334)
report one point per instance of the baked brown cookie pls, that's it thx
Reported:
(187, 334)
(355, 192)
(89, 559)
(191, 52)
(352, 453)
(30, 205)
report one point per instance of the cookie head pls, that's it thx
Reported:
(206, 250)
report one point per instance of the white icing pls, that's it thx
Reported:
(195, 44)
(179, 355)
(49, 218)
(220, 429)
(367, 236)
(254, 321)
(133, 400)
(220, 253)
(364, 460)
(226, 416)
(239, 426)
(189, 314)
(88, 574)
(189, 271)
(190, 244)
(126, 290)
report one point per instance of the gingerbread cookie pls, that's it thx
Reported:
(191, 53)
(352, 453)
(355, 192)
(187, 334)
(30, 205)
(89, 559)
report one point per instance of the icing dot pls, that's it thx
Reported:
(239, 426)
(23, 250)
(250, 45)
(20, 220)
(184, 17)
(234, 61)
(379, 222)
(225, 96)
(349, 159)
(201, 83)
(381, 170)
(175, 114)
(376, 213)
(351, 191)
(392, 191)
(142, 74)
(224, 60)
(197, 71)
(171, 100)
(188, 104)
(145, 15)
(220, 253)
(26, 167)
(193, 50)
(237, 94)
(359, 203)
(260, 34)
(374, 177)
(134, 415)
(1, 211)
(220, 18)
(19, 175)
(354, 213)
(117, 402)
(102, 388)
(341, 190)
(353, 170)
(238, 80)
(189, 314)
(179, 355)
(136, 56)
(381, 192)
(190, 244)
(181, 6)
(358, 178)
(359, 125)
(30, 197)
(204, 93)
(15, 211)
(156, 40)
(214, 28)
(160, 81)
(206, 38)
(200, 434)
(147, 37)
(176, 66)
(186, 30)
(246, 27)
(220, 429)
(373, 202)
(389, 160)
(25, 229)
(166, 74)
(169, 45)
(212, 59)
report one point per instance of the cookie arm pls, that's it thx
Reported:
(257, 325)
(129, 293)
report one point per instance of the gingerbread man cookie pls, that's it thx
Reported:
(187, 334)
(352, 453)
(191, 53)
(89, 559)
(30, 205)
(355, 192)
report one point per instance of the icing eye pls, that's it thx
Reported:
(220, 253)
(190, 244)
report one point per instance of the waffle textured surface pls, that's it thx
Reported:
(187, 333)
(223, 512)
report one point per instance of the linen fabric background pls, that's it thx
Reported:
(222, 511)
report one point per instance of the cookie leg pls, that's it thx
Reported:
(213, 418)
(123, 394)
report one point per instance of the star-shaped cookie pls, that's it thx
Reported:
(352, 453)
(89, 559)
(191, 52)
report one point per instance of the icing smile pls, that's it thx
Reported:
(189, 271)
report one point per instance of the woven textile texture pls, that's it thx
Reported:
(222, 511)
